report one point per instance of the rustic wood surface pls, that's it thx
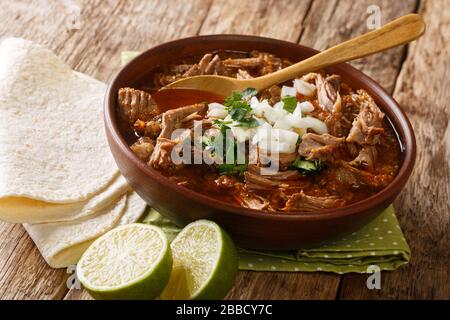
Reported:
(414, 74)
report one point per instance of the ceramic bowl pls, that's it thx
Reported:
(250, 228)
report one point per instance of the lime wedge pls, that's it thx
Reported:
(205, 263)
(129, 262)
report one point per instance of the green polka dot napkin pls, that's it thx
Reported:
(380, 243)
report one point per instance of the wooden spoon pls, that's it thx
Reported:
(395, 33)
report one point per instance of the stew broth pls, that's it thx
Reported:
(346, 149)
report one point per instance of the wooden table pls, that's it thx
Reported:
(90, 35)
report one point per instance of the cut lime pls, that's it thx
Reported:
(205, 263)
(129, 262)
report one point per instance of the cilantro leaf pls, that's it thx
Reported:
(290, 103)
(230, 169)
(239, 113)
(248, 123)
(306, 167)
(222, 125)
(249, 93)
(239, 108)
(209, 144)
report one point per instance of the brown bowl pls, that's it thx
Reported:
(250, 228)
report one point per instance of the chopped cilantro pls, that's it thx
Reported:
(249, 92)
(229, 149)
(240, 112)
(290, 103)
(223, 126)
(248, 123)
(231, 169)
(209, 144)
(239, 108)
(306, 167)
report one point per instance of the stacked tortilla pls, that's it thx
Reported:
(57, 175)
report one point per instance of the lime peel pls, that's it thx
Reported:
(129, 262)
(205, 255)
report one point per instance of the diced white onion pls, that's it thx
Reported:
(306, 106)
(310, 76)
(288, 91)
(217, 110)
(273, 115)
(279, 105)
(286, 136)
(315, 124)
(305, 88)
(257, 107)
(298, 112)
(242, 134)
(283, 123)
(276, 140)
(262, 132)
(264, 110)
(278, 130)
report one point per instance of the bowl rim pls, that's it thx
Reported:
(383, 196)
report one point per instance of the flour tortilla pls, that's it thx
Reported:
(52, 142)
(135, 209)
(62, 244)
(23, 210)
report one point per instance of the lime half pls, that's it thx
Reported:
(129, 262)
(205, 263)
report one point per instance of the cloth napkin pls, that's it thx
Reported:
(380, 243)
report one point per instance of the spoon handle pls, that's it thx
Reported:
(395, 33)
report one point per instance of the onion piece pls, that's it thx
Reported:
(315, 124)
(305, 88)
(306, 107)
(288, 91)
(217, 110)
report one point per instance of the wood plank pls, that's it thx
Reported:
(107, 28)
(100, 44)
(280, 19)
(326, 25)
(224, 17)
(77, 294)
(333, 21)
(24, 274)
(130, 25)
(423, 207)
(284, 286)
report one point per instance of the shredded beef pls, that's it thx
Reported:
(302, 202)
(243, 74)
(207, 65)
(225, 182)
(251, 201)
(323, 147)
(161, 157)
(346, 174)
(328, 92)
(243, 63)
(368, 125)
(173, 119)
(366, 157)
(257, 182)
(136, 104)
